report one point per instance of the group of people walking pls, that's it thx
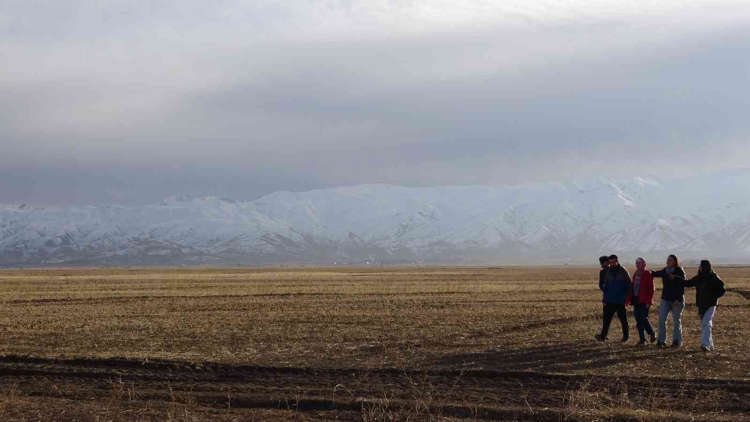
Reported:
(621, 290)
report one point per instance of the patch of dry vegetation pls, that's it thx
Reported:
(412, 320)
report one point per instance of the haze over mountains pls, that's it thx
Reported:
(565, 222)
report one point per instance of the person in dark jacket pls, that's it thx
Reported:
(672, 300)
(708, 289)
(604, 263)
(642, 297)
(616, 287)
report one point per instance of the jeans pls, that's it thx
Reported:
(610, 309)
(707, 325)
(676, 308)
(640, 311)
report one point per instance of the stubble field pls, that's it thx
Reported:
(369, 344)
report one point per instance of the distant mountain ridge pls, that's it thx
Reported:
(544, 222)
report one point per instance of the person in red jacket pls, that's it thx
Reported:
(642, 297)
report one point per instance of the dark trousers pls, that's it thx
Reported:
(610, 309)
(640, 311)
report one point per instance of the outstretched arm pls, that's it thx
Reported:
(720, 290)
(690, 283)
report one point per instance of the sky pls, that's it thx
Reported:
(133, 101)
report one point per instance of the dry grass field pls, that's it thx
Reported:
(369, 344)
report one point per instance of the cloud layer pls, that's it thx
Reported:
(134, 101)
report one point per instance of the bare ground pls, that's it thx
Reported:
(439, 344)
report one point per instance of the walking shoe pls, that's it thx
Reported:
(600, 337)
(642, 342)
(661, 344)
(705, 348)
(676, 345)
(625, 339)
(653, 338)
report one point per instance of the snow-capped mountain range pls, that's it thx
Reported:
(707, 215)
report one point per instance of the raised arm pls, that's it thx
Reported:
(690, 283)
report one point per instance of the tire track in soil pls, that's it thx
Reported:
(550, 322)
(488, 394)
(744, 293)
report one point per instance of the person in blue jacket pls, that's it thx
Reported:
(616, 287)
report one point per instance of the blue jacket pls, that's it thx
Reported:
(616, 285)
(602, 276)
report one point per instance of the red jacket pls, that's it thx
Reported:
(645, 292)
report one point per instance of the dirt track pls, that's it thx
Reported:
(488, 394)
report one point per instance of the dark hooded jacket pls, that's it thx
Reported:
(708, 289)
(672, 287)
(602, 277)
(617, 285)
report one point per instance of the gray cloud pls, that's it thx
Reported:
(134, 101)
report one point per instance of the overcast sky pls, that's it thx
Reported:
(133, 101)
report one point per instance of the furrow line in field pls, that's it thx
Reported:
(218, 372)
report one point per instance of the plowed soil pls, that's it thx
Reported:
(352, 344)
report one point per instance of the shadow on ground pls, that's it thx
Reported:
(564, 357)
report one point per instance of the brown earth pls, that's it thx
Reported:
(351, 344)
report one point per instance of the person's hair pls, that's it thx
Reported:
(676, 260)
(603, 259)
(705, 267)
(640, 259)
(613, 256)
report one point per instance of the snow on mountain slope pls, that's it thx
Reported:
(564, 221)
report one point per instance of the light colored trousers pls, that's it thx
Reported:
(665, 307)
(707, 325)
